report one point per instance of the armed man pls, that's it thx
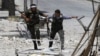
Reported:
(31, 17)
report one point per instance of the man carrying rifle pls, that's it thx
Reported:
(31, 17)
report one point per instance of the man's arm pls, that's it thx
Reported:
(42, 14)
(25, 17)
(64, 17)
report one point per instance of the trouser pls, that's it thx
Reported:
(35, 34)
(61, 34)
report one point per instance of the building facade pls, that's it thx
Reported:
(0, 3)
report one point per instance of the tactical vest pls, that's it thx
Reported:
(57, 23)
(34, 17)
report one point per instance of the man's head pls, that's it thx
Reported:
(57, 13)
(33, 7)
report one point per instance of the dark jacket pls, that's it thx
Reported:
(33, 16)
(57, 23)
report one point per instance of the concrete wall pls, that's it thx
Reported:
(20, 5)
(0, 3)
(4, 13)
